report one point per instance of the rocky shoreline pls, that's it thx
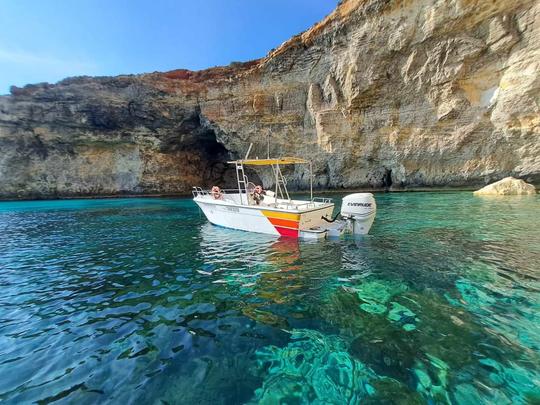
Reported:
(189, 195)
(380, 94)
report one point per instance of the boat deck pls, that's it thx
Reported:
(234, 198)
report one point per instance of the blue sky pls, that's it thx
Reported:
(47, 40)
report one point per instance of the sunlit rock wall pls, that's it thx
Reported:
(381, 93)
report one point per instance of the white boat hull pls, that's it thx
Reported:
(263, 219)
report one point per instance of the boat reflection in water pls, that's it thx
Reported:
(269, 272)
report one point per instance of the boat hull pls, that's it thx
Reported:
(263, 219)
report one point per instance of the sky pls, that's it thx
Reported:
(48, 40)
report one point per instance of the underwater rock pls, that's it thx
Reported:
(376, 293)
(388, 355)
(432, 385)
(404, 316)
(430, 343)
(507, 186)
(312, 368)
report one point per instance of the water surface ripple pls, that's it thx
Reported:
(142, 301)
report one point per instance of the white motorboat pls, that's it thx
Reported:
(249, 207)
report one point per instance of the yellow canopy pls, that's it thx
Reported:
(268, 162)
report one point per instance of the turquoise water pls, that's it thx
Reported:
(142, 301)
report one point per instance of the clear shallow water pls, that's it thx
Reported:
(142, 301)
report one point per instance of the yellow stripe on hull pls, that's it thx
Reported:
(281, 215)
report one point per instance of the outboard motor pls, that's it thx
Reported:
(359, 211)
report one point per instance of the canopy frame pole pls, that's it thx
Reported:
(277, 182)
(281, 184)
(284, 182)
(240, 172)
(311, 180)
(249, 150)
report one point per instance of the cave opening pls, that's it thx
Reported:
(204, 157)
(387, 179)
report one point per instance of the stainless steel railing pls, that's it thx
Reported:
(283, 204)
(199, 191)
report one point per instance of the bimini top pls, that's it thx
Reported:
(269, 162)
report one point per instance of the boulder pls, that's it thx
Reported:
(507, 186)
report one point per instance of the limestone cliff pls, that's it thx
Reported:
(400, 93)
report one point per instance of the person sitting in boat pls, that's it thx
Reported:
(216, 193)
(258, 194)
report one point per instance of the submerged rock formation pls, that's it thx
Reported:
(381, 93)
(507, 186)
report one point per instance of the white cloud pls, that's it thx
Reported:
(44, 61)
(22, 67)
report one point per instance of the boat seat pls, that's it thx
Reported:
(269, 201)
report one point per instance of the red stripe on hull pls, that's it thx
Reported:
(293, 233)
(283, 222)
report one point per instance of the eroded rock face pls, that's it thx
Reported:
(382, 93)
(507, 186)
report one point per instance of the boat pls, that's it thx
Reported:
(252, 208)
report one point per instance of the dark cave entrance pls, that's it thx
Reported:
(197, 138)
(387, 179)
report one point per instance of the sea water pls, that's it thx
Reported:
(143, 301)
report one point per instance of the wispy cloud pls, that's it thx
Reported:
(32, 59)
(17, 66)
